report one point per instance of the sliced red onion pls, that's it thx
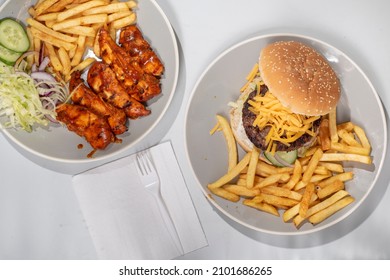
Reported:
(282, 161)
(43, 64)
(43, 76)
(46, 94)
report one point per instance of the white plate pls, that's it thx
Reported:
(220, 83)
(57, 144)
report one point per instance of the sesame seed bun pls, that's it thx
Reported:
(299, 77)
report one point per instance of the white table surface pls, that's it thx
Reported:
(40, 217)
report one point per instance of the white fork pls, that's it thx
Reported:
(151, 181)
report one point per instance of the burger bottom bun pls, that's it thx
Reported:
(237, 126)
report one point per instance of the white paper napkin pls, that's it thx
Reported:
(123, 218)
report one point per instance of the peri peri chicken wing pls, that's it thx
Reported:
(132, 40)
(84, 96)
(82, 121)
(103, 80)
(140, 85)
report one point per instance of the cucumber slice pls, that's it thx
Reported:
(13, 36)
(7, 56)
(282, 159)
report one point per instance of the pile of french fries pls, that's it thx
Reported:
(67, 28)
(311, 190)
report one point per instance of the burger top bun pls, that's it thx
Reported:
(299, 77)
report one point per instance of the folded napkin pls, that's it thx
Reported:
(124, 219)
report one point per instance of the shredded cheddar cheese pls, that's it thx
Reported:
(286, 126)
(251, 75)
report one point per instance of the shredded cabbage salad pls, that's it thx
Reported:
(26, 101)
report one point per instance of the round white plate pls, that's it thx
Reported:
(57, 144)
(220, 83)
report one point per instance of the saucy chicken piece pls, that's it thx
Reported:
(142, 86)
(84, 96)
(118, 59)
(101, 78)
(139, 49)
(103, 81)
(82, 121)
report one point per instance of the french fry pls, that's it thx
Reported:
(242, 180)
(317, 178)
(122, 22)
(39, 26)
(327, 202)
(83, 20)
(251, 172)
(272, 179)
(282, 192)
(80, 67)
(43, 6)
(327, 212)
(333, 167)
(81, 31)
(293, 211)
(37, 48)
(96, 49)
(346, 157)
(348, 126)
(319, 170)
(79, 51)
(305, 201)
(348, 138)
(65, 61)
(324, 135)
(80, 9)
(131, 4)
(296, 176)
(230, 141)
(362, 137)
(265, 207)
(60, 5)
(350, 149)
(225, 194)
(277, 200)
(333, 126)
(312, 165)
(118, 15)
(107, 9)
(319, 207)
(46, 17)
(330, 189)
(51, 40)
(346, 176)
(241, 190)
(235, 171)
(263, 167)
(55, 61)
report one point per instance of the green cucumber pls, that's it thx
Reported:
(7, 56)
(282, 158)
(13, 36)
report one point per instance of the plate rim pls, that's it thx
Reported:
(139, 139)
(298, 232)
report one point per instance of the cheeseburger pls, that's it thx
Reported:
(281, 110)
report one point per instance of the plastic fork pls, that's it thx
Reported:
(150, 179)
